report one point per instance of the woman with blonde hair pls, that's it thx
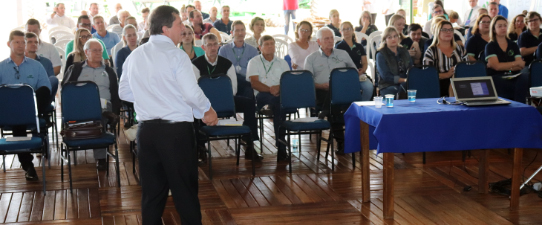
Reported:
(303, 46)
(257, 26)
(516, 27)
(129, 36)
(480, 36)
(188, 45)
(444, 54)
(398, 21)
(392, 63)
(335, 22)
(82, 35)
(434, 24)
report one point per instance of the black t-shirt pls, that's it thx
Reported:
(407, 44)
(475, 45)
(356, 52)
(335, 30)
(371, 29)
(493, 49)
(527, 40)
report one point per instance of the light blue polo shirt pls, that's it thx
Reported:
(30, 72)
(110, 40)
(47, 65)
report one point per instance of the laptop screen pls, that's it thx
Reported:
(474, 88)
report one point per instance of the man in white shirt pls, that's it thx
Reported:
(264, 72)
(212, 16)
(142, 26)
(58, 18)
(94, 11)
(45, 49)
(166, 108)
(472, 14)
(117, 28)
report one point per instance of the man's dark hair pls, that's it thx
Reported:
(190, 6)
(162, 16)
(82, 17)
(414, 27)
(15, 33)
(33, 22)
(145, 10)
(30, 35)
(191, 15)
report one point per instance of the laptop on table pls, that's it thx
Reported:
(476, 91)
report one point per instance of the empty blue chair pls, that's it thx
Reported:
(220, 93)
(536, 73)
(470, 69)
(297, 91)
(19, 108)
(425, 81)
(81, 103)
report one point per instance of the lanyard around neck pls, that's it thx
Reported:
(238, 57)
(264, 67)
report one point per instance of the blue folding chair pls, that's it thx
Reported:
(470, 69)
(344, 89)
(50, 111)
(81, 103)
(297, 91)
(425, 80)
(218, 90)
(536, 73)
(288, 59)
(19, 109)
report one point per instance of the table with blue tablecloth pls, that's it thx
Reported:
(426, 126)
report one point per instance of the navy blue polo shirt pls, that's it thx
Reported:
(527, 40)
(493, 49)
(355, 52)
(47, 65)
(475, 45)
(221, 26)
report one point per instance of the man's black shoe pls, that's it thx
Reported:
(285, 158)
(340, 146)
(202, 155)
(251, 151)
(101, 164)
(31, 174)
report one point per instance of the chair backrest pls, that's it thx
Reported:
(283, 37)
(62, 43)
(360, 36)
(374, 44)
(218, 90)
(281, 48)
(54, 86)
(57, 28)
(80, 102)
(61, 33)
(425, 81)
(344, 86)
(18, 106)
(225, 37)
(482, 56)
(198, 43)
(536, 73)
(470, 69)
(460, 36)
(337, 39)
(297, 90)
(110, 28)
(288, 59)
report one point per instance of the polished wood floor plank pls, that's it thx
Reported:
(37, 206)
(14, 205)
(26, 207)
(49, 205)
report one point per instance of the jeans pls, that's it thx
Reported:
(393, 89)
(367, 87)
(287, 14)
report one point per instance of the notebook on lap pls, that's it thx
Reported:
(476, 91)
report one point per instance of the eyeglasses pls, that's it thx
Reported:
(17, 74)
(85, 37)
(304, 30)
(485, 22)
(96, 51)
(189, 34)
(392, 37)
(447, 30)
(347, 29)
(533, 20)
(439, 11)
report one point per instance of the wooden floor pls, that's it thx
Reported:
(313, 194)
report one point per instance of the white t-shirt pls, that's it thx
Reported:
(61, 21)
(49, 51)
(268, 72)
(298, 55)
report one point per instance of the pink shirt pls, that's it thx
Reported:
(290, 5)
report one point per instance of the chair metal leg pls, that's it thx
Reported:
(43, 173)
(332, 151)
(70, 171)
(423, 156)
(261, 134)
(61, 163)
(238, 148)
(210, 160)
(318, 146)
(290, 153)
(4, 162)
(75, 158)
(117, 164)
(330, 142)
(353, 161)
(133, 156)
(299, 143)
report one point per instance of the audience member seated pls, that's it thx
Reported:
(335, 22)
(436, 11)
(480, 36)
(530, 39)
(481, 11)
(58, 18)
(212, 16)
(320, 65)
(257, 26)
(240, 53)
(93, 69)
(45, 49)
(18, 69)
(32, 43)
(414, 43)
(201, 28)
(392, 63)
(366, 26)
(184, 14)
(116, 18)
(83, 22)
(358, 56)
(444, 54)
(435, 22)
(503, 11)
(197, 4)
(454, 18)
(303, 46)
(501, 63)
(211, 64)
(402, 12)
(493, 9)
(117, 28)
(94, 11)
(516, 27)
(108, 38)
(264, 72)
(472, 13)
(144, 25)
(398, 22)
(128, 21)
(189, 8)
(224, 24)
(129, 37)
(188, 44)
(77, 54)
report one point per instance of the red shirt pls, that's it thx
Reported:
(205, 28)
(290, 5)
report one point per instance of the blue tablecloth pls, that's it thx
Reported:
(425, 126)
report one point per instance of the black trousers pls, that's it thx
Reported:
(323, 100)
(167, 160)
(43, 99)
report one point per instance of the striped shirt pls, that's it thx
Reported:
(435, 57)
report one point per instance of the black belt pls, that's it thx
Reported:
(160, 121)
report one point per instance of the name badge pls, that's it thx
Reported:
(238, 69)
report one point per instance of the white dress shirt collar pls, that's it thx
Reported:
(214, 63)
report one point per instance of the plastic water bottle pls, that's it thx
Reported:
(295, 144)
